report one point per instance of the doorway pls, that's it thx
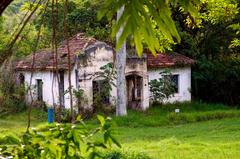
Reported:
(134, 91)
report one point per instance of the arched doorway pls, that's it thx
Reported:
(134, 84)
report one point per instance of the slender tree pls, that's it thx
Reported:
(69, 59)
(121, 108)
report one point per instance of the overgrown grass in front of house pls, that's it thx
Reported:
(141, 133)
(215, 139)
(159, 115)
(17, 122)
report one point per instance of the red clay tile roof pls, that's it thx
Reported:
(44, 59)
(167, 60)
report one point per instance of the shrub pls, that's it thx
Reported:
(162, 88)
(11, 95)
(61, 141)
(101, 102)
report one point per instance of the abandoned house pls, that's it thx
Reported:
(88, 55)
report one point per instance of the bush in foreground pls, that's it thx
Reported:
(61, 141)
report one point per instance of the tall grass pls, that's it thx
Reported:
(159, 115)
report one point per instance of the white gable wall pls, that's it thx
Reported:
(50, 86)
(46, 77)
(184, 73)
(87, 73)
(66, 87)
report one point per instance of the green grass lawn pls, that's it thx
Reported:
(17, 123)
(159, 136)
(212, 139)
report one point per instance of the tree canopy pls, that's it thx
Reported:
(142, 19)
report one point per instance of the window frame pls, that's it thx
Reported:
(39, 97)
(177, 89)
(177, 84)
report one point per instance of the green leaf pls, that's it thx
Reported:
(101, 119)
(115, 141)
(138, 17)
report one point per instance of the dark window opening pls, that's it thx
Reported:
(21, 79)
(76, 78)
(61, 88)
(39, 90)
(101, 92)
(174, 79)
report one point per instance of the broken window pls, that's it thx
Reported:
(174, 79)
(101, 92)
(39, 90)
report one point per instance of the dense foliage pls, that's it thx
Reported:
(61, 141)
(81, 17)
(216, 74)
(143, 20)
(11, 95)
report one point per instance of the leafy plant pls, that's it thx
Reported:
(61, 141)
(137, 18)
(11, 95)
(108, 74)
(83, 109)
(79, 95)
(162, 88)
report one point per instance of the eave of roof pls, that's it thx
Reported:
(168, 60)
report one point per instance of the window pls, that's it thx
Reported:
(175, 81)
(101, 92)
(76, 77)
(39, 90)
(61, 88)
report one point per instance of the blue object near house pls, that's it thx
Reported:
(50, 115)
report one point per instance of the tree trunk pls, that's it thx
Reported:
(4, 4)
(121, 108)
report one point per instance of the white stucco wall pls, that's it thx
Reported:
(184, 73)
(97, 58)
(66, 86)
(50, 86)
(87, 73)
